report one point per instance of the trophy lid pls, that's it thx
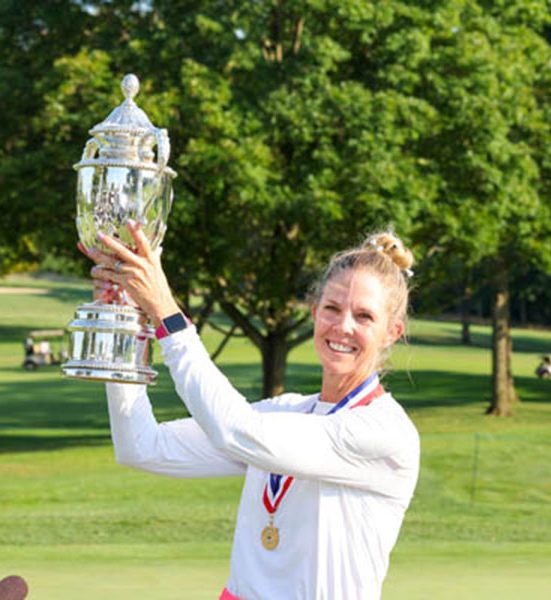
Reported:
(127, 117)
(127, 137)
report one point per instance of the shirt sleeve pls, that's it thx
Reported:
(176, 448)
(357, 448)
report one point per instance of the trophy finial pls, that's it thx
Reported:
(130, 86)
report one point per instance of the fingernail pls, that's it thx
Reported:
(100, 236)
(132, 223)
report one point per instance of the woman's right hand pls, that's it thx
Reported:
(108, 292)
(104, 292)
(138, 271)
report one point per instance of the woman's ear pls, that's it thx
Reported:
(314, 311)
(395, 332)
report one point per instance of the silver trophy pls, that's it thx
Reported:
(122, 175)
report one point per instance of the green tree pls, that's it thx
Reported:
(286, 151)
(290, 156)
(32, 35)
(488, 77)
(296, 128)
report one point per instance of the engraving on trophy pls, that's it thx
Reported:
(122, 175)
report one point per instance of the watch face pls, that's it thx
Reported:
(175, 323)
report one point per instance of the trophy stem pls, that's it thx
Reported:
(110, 342)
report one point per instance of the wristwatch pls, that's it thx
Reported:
(172, 324)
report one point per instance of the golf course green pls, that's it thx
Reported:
(77, 525)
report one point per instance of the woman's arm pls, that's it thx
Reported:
(372, 449)
(176, 448)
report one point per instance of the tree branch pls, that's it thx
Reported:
(225, 331)
(223, 343)
(204, 314)
(246, 326)
(299, 339)
(297, 324)
(297, 34)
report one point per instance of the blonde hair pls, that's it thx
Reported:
(384, 255)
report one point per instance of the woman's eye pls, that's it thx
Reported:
(365, 317)
(331, 308)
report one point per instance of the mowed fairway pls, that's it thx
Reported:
(77, 525)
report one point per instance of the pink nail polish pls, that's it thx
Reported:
(100, 236)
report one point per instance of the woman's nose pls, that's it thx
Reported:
(346, 322)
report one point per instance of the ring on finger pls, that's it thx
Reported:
(118, 266)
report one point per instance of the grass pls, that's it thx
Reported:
(74, 523)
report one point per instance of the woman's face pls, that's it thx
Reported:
(352, 324)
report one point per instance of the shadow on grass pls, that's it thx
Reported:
(46, 401)
(14, 333)
(449, 336)
(41, 443)
(429, 389)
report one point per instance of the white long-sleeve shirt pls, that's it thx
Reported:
(355, 472)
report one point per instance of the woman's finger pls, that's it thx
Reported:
(104, 291)
(140, 239)
(82, 248)
(104, 273)
(119, 249)
(99, 257)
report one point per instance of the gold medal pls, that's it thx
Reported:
(270, 537)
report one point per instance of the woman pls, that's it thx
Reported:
(328, 476)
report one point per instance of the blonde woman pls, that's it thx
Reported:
(329, 476)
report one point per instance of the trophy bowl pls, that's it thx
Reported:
(122, 175)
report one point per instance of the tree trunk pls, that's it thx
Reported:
(274, 346)
(513, 396)
(523, 311)
(466, 331)
(465, 308)
(502, 380)
(274, 351)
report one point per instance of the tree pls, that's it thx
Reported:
(32, 35)
(489, 82)
(290, 156)
(285, 151)
(296, 128)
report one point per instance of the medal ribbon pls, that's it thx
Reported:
(360, 396)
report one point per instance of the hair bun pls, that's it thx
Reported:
(391, 245)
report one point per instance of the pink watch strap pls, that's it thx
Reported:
(161, 332)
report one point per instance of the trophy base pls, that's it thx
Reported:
(110, 343)
(113, 375)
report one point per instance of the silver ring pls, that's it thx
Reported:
(118, 266)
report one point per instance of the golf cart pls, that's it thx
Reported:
(544, 369)
(44, 347)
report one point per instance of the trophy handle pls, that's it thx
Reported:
(163, 148)
(91, 148)
(157, 137)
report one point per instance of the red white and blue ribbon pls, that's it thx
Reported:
(278, 485)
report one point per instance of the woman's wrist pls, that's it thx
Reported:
(164, 311)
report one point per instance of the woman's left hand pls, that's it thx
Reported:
(138, 272)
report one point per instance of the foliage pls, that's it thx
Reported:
(296, 128)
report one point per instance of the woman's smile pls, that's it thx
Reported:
(341, 347)
(351, 328)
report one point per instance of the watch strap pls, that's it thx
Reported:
(171, 324)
